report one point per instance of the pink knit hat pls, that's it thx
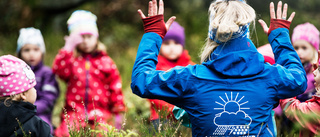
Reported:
(307, 32)
(266, 51)
(15, 76)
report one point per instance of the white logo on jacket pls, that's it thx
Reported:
(232, 113)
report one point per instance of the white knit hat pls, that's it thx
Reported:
(30, 36)
(83, 22)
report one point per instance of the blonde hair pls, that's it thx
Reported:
(100, 47)
(8, 100)
(226, 17)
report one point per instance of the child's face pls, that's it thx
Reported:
(316, 74)
(305, 50)
(89, 43)
(171, 50)
(31, 54)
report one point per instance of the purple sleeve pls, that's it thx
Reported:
(310, 91)
(49, 92)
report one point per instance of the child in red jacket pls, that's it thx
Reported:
(93, 81)
(306, 113)
(172, 53)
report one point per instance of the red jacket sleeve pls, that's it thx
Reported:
(160, 104)
(306, 113)
(114, 80)
(62, 64)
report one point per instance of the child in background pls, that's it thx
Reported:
(305, 40)
(172, 53)
(17, 98)
(31, 49)
(93, 81)
(306, 113)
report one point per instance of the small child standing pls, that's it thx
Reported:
(31, 49)
(305, 40)
(17, 96)
(93, 81)
(306, 113)
(172, 53)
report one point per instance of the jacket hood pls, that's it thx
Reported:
(236, 58)
(22, 111)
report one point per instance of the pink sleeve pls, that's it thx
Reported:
(306, 113)
(62, 64)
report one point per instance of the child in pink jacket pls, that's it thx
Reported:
(307, 114)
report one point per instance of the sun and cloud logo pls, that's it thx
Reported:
(233, 108)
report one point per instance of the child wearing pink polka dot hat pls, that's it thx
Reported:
(17, 96)
(93, 80)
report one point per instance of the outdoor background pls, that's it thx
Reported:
(121, 29)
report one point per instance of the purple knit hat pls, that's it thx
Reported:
(175, 32)
(307, 32)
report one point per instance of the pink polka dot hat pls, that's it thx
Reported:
(15, 76)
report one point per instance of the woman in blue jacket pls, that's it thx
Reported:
(233, 91)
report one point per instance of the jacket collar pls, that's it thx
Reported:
(36, 67)
(165, 64)
(93, 54)
(236, 58)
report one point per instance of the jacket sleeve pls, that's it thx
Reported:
(116, 103)
(50, 89)
(44, 129)
(292, 79)
(306, 113)
(147, 82)
(34, 127)
(62, 64)
(160, 104)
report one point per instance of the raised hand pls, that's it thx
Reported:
(155, 22)
(278, 21)
(72, 41)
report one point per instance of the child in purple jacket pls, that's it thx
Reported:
(31, 49)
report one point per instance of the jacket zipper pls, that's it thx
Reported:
(87, 67)
(269, 130)
(260, 129)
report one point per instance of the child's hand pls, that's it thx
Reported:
(280, 21)
(72, 41)
(155, 22)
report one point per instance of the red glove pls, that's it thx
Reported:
(155, 24)
(278, 23)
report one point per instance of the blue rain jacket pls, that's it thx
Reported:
(232, 94)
